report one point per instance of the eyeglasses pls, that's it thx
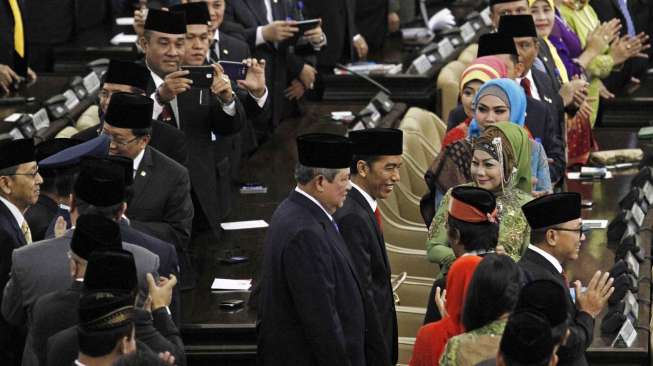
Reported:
(581, 230)
(118, 142)
(33, 175)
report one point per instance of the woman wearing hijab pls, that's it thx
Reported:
(432, 338)
(482, 70)
(501, 165)
(491, 297)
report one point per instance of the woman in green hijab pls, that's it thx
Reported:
(501, 164)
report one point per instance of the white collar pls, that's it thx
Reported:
(546, 256)
(14, 211)
(370, 201)
(156, 78)
(137, 160)
(216, 35)
(77, 363)
(299, 190)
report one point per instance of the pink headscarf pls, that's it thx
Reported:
(484, 69)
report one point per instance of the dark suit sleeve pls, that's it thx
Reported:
(231, 17)
(554, 148)
(295, 64)
(352, 229)
(311, 282)
(167, 329)
(581, 334)
(223, 124)
(177, 218)
(11, 296)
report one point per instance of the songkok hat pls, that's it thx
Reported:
(552, 209)
(548, 298)
(377, 141)
(324, 150)
(101, 311)
(113, 269)
(473, 205)
(494, 2)
(196, 13)
(95, 147)
(94, 232)
(517, 26)
(127, 73)
(170, 22)
(128, 110)
(527, 338)
(16, 152)
(48, 148)
(101, 182)
(127, 164)
(491, 44)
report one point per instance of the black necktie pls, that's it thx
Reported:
(213, 55)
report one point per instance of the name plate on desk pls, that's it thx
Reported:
(633, 264)
(638, 214)
(16, 134)
(91, 82)
(485, 15)
(41, 119)
(422, 64)
(632, 307)
(467, 31)
(71, 99)
(648, 192)
(445, 48)
(626, 337)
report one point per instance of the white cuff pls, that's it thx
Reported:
(259, 36)
(357, 37)
(260, 101)
(321, 43)
(230, 108)
(157, 108)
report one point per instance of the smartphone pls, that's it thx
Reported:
(202, 76)
(235, 70)
(232, 304)
(304, 25)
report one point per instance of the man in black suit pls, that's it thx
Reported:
(250, 89)
(195, 111)
(537, 85)
(19, 189)
(267, 32)
(374, 173)
(312, 308)
(14, 56)
(114, 270)
(372, 23)
(166, 210)
(129, 77)
(556, 235)
(55, 190)
(57, 310)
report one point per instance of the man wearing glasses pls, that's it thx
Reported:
(19, 189)
(556, 235)
(161, 205)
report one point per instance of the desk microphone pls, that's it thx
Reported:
(364, 77)
(16, 100)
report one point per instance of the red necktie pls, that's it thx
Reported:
(564, 276)
(166, 115)
(526, 84)
(377, 213)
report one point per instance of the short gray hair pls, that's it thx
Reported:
(9, 171)
(304, 174)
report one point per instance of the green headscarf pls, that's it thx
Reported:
(521, 147)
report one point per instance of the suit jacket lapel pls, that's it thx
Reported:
(362, 202)
(9, 218)
(258, 9)
(142, 176)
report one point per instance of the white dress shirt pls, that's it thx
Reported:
(371, 201)
(137, 161)
(547, 256)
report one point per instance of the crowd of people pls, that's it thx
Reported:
(95, 230)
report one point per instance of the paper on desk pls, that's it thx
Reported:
(123, 38)
(576, 176)
(125, 21)
(227, 284)
(242, 225)
(595, 224)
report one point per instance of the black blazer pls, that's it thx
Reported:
(161, 205)
(544, 54)
(40, 215)
(51, 314)
(372, 21)
(157, 332)
(197, 122)
(339, 26)
(165, 138)
(364, 239)
(543, 126)
(312, 309)
(11, 237)
(8, 55)
(581, 328)
(282, 64)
